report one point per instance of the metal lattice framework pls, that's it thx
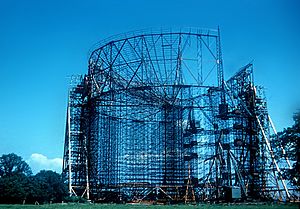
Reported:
(155, 119)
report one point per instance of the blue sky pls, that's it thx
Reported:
(42, 43)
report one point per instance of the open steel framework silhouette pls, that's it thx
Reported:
(154, 119)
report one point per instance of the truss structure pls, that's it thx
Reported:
(155, 120)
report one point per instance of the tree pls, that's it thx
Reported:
(14, 179)
(14, 188)
(289, 138)
(18, 185)
(49, 186)
(13, 164)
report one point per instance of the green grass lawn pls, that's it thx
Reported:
(128, 206)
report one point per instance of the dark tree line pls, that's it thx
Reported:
(18, 185)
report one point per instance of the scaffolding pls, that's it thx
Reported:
(154, 120)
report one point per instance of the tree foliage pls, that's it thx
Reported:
(13, 164)
(289, 139)
(14, 188)
(49, 187)
(18, 185)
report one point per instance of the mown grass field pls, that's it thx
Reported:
(111, 206)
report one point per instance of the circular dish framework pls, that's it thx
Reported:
(154, 120)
